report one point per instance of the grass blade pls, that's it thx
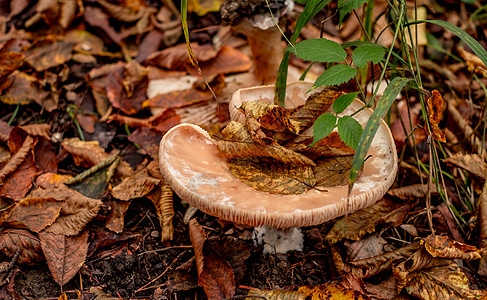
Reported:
(390, 93)
(465, 37)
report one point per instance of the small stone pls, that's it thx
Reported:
(57, 137)
(155, 234)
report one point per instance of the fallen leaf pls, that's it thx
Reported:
(116, 218)
(17, 158)
(413, 191)
(316, 105)
(177, 99)
(176, 57)
(36, 213)
(9, 62)
(330, 291)
(367, 247)
(65, 255)
(202, 8)
(162, 198)
(215, 274)
(49, 53)
(426, 277)
(94, 16)
(118, 96)
(482, 219)
(435, 108)
(161, 122)
(330, 146)
(76, 211)
(19, 180)
(89, 153)
(363, 221)
(227, 61)
(136, 186)
(275, 295)
(444, 247)
(271, 117)
(231, 149)
(272, 176)
(22, 89)
(23, 241)
(333, 171)
(474, 163)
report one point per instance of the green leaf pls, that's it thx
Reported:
(346, 6)
(310, 10)
(368, 52)
(323, 126)
(349, 130)
(343, 102)
(319, 50)
(465, 37)
(335, 75)
(390, 94)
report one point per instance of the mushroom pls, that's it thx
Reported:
(253, 19)
(191, 163)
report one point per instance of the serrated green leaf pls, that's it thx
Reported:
(368, 52)
(335, 75)
(323, 126)
(319, 50)
(310, 10)
(346, 6)
(390, 94)
(343, 102)
(349, 130)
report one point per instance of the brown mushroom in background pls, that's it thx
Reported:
(253, 19)
(192, 165)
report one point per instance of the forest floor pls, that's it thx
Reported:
(90, 87)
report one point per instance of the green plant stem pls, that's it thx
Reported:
(14, 114)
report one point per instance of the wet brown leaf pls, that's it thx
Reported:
(333, 171)
(49, 53)
(272, 176)
(177, 99)
(28, 245)
(17, 159)
(331, 145)
(22, 89)
(444, 247)
(76, 211)
(65, 255)
(136, 186)
(247, 149)
(276, 295)
(161, 122)
(426, 277)
(215, 274)
(330, 291)
(411, 192)
(374, 265)
(89, 153)
(9, 62)
(315, 106)
(435, 108)
(228, 60)
(482, 217)
(94, 16)
(236, 131)
(363, 221)
(162, 197)
(176, 57)
(116, 89)
(115, 221)
(19, 181)
(473, 163)
(271, 117)
(36, 213)
(4, 131)
(127, 11)
(367, 247)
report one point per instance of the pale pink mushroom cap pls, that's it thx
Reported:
(191, 164)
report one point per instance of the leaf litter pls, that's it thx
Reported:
(99, 59)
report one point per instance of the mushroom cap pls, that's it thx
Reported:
(191, 163)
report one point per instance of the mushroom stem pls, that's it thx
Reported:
(279, 240)
(266, 47)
